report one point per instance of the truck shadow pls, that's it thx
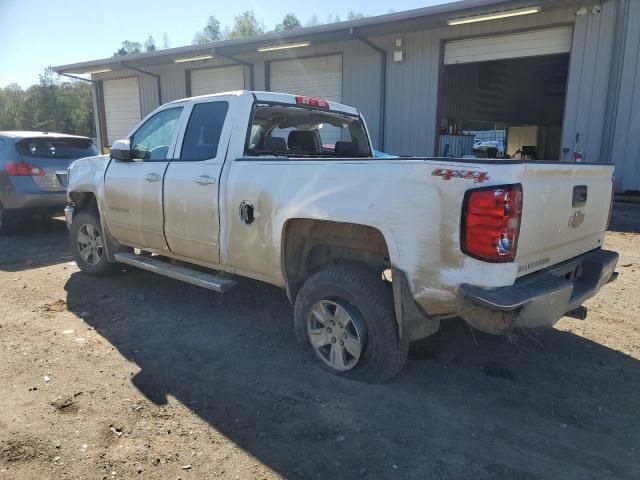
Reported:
(549, 405)
(35, 243)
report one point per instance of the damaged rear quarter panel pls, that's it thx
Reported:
(418, 215)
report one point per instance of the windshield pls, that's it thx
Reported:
(287, 130)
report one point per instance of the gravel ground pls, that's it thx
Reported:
(139, 376)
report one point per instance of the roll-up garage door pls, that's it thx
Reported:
(217, 80)
(516, 45)
(315, 77)
(121, 107)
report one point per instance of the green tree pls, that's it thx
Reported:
(51, 105)
(289, 22)
(128, 48)
(212, 29)
(246, 25)
(150, 44)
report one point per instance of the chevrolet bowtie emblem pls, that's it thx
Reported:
(576, 219)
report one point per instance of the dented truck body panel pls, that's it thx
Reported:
(402, 214)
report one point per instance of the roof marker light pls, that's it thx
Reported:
(494, 16)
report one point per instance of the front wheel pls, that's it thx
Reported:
(345, 314)
(87, 244)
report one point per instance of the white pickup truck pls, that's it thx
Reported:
(373, 252)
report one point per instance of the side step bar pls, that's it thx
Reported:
(194, 277)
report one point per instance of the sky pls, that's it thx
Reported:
(35, 34)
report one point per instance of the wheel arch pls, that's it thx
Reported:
(310, 244)
(84, 200)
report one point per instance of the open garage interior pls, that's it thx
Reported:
(505, 100)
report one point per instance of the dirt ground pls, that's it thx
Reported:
(139, 376)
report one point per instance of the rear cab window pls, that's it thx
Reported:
(63, 148)
(295, 131)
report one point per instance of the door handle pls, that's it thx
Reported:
(205, 180)
(152, 177)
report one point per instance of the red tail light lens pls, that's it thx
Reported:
(491, 223)
(22, 169)
(312, 102)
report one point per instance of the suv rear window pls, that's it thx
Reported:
(289, 130)
(56, 147)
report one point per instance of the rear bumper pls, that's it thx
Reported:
(539, 299)
(35, 202)
(22, 193)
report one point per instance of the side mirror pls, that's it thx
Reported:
(121, 150)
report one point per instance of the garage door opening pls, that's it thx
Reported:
(504, 97)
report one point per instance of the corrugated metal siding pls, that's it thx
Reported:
(588, 82)
(625, 151)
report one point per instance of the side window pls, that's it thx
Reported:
(202, 137)
(151, 141)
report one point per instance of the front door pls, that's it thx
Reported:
(192, 223)
(133, 189)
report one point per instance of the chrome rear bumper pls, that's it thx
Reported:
(539, 299)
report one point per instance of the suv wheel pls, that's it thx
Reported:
(346, 316)
(87, 244)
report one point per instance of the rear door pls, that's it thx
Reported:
(191, 186)
(133, 189)
(53, 155)
(565, 208)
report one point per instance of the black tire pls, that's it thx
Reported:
(4, 221)
(368, 298)
(97, 265)
(4, 226)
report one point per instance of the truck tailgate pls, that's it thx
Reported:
(565, 212)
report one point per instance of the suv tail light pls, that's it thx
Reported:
(312, 102)
(22, 169)
(491, 222)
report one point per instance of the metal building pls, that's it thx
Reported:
(553, 79)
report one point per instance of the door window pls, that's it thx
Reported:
(151, 141)
(202, 137)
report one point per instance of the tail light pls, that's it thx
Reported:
(312, 102)
(491, 223)
(22, 169)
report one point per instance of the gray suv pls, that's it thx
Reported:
(33, 172)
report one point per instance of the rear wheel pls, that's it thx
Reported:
(87, 244)
(346, 316)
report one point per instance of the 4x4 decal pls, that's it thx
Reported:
(448, 174)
